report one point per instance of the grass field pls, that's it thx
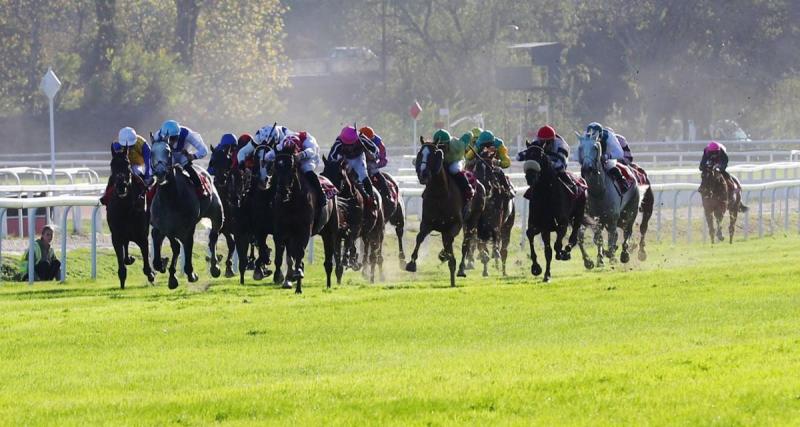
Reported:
(696, 335)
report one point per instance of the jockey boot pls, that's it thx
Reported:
(567, 182)
(623, 184)
(141, 193)
(107, 194)
(382, 184)
(316, 187)
(194, 177)
(466, 189)
(366, 186)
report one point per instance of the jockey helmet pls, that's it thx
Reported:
(486, 137)
(546, 133)
(227, 139)
(476, 132)
(594, 129)
(170, 128)
(348, 135)
(244, 139)
(269, 134)
(127, 137)
(713, 147)
(293, 140)
(441, 137)
(466, 138)
(367, 131)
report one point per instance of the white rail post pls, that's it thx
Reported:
(64, 243)
(772, 213)
(31, 242)
(675, 217)
(94, 241)
(761, 213)
(786, 209)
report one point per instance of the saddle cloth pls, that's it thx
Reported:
(394, 192)
(328, 188)
(473, 181)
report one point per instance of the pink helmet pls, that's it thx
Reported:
(294, 141)
(349, 135)
(713, 146)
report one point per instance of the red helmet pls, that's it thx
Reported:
(546, 132)
(293, 140)
(244, 138)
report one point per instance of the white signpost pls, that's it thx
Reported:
(50, 86)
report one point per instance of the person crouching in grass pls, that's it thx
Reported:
(45, 264)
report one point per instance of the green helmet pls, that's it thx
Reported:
(476, 132)
(441, 136)
(466, 138)
(485, 138)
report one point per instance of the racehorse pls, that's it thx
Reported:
(254, 222)
(442, 204)
(718, 197)
(176, 210)
(297, 219)
(497, 218)
(611, 208)
(225, 183)
(127, 221)
(393, 210)
(552, 209)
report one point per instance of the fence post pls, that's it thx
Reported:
(786, 210)
(94, 241)
(31, 242)
(772, 213)
(64, 243)
(689, 221)
(760, 213)
(675, 217)
(658, 215)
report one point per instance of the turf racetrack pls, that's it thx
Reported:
(696, 335)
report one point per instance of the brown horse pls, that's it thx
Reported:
(497, 218)
(442, 204)
(719, 196)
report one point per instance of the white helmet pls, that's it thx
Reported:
(269, 134)
(127, 137)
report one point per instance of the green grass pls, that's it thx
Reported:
(695, 335)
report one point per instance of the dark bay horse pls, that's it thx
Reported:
(609, 207)
(127, 218)
(442, 204)
(225, 183)
(553, 209)
(254, 223)
(177, 209)
(497, 217)
(718, 196)
(296, 220)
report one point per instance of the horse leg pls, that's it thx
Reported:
(709, 213)
(188, 268)
(278, 277)
(424, 230)
(242, 242)
(176, 250)
(329, 243)
(719, 217)
(548, 255)
(647, 212)
(505, 237)
(627, 232)
(213, 236)
(338, 244)
(561, 231)
(484, 249)
(587, 262)
(734, 214)
(145, 250)
(613, 236)
(464, 250)
(128, 258)
(229, 260)
(122, 269)
(536, 269)
(158, 261)
(598, 241)
(447, 242)
(262, 261)
(399, 223)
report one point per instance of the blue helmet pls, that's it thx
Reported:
(227, 139)
(594, 129)
(170, 128)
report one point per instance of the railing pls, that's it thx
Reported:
(67, 202)
(27, 192)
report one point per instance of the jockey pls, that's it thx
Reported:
(307, 151)
(138, 155)
(376, 163)
(611, 151)
(492, 144)
(243, 140)
(472, 145)
(227, 141)
(626, 149)
(454, 159)
(353, 149)
(716, 155)
(265, 140)
(180, 138)
(556, 149)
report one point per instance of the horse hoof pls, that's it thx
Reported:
(624, 257)
(588, 264)
(130, 260)
(461, 273)
(642, 255)
(215, 271)
(151, 278)
(443, 256)
(192, 277)
(122, 285)
(536, 269)
(546, 278)
(163, 265)
(298, 291)
(411, 267)
(229, 273)
(287, 285)
(558, 256)
(566, 256)
(277, 278)
(258, 274)
(173, 282)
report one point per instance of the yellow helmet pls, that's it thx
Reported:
(476, 132)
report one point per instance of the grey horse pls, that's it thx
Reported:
(606, 204)
(175, 212)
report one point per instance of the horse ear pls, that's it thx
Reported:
(212, 148)
(152, 140)
(125, 150)
(577, 134)
(113, 153)
(324, 159)
(421, 139)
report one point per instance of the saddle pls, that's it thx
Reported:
(580, 185)
(471, 179)
(394, 192)
(631, 175)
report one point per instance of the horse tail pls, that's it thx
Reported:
(648, 201)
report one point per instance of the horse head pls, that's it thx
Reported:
(161, 160)
(121, 172)
(221, 161)
(535, 161)
(712, 182)
(429, 161)
(589, 153)
(284, 172)
(332, 169)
